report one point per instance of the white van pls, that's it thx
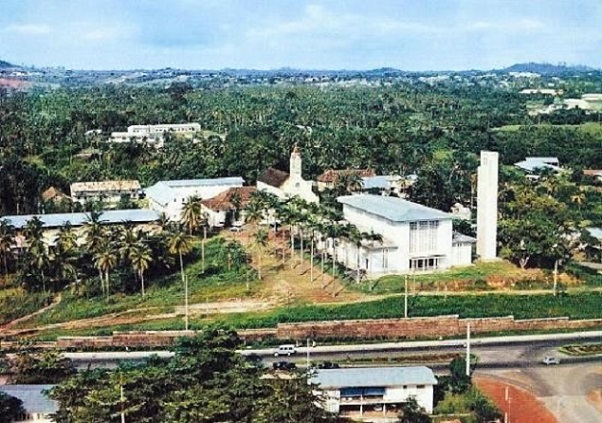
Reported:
(285, 350)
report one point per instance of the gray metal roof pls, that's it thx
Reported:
(164, 192)
(373, 376)
(595, 232)
(373, 182)
(532, 164)
(34, 401)
(463, 239)
(55, 220)
(393, 208)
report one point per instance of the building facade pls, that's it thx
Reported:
(154, 134)
(374, 390)
(169, 197)
(38, 408)
(109, 192)
(287, 185)
(487, 193)
(415, 238)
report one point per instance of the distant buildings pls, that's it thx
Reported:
(286, 185)
(329, 178)
(169, 196)
(109, 192)
(534, 165)
(414, 237)
(374, 391)
(154, 134)
(593, 173)
(225, 205)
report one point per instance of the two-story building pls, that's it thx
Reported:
(415, 238)
(109, 192)
(169, 196)
(154, 134)
(374, 390)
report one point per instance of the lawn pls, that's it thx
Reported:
(591, 128)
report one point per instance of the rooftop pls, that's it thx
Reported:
(373, 377)
(223, 201)
(34, 401)
(393, 208)
(331, 175)
(101, 186)
(164, 192)
(273, 177)
(55, 220)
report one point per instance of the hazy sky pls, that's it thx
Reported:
(318, 34)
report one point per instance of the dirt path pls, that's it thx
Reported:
(519, 404)
(7, 326)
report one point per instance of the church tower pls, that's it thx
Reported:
(295, 163)
(487, 192)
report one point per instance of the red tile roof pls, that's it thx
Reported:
(273, 177)
(221, 202)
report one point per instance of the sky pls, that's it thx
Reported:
(304, 34)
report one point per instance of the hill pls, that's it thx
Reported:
(4, 64)
(547, 68)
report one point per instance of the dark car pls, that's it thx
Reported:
(284, 365)
(328, 365)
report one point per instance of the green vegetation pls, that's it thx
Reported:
(581, 349)
(206, 381)
(15, 303)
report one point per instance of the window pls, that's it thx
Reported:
(385, 258)
(423, 237)
(419, 386)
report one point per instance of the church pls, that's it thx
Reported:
(286, 185)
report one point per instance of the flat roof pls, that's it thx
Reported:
(393, 208)
(373, 377)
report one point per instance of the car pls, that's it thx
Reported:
(287, 350)
(284, 365)
(328, 365)
(548, 360)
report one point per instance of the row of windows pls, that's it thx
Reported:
(423, 237)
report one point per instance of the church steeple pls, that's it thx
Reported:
(295, 162)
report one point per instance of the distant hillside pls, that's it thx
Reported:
(546, 68)
(4, 64)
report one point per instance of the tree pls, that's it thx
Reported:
(260, 241)
(411, 412)
(179, 243)
(192, 214)
(6, 242)
(10, 408)
(140, 257)
(459, 382)
(105, 260)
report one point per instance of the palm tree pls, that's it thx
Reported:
(105, 260)
(192, 213)
(94, 232)
(67, 238)
(179, 243)
(261, 241)
(7, 233)
(140, 258)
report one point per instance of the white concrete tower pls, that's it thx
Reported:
(487, 191)
(295, 164)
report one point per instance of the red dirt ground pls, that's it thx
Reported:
(523, 406)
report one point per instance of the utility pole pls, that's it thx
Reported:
(307, 358)
(122, 398)
(468, 349)
(555, 276)
(186, 300)
(405, 299)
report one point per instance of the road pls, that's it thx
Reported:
(517, 359)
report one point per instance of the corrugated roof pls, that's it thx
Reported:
(331, 175)
(101, 186)
(34, 401)
(463, 239)
(393, 208)
(595, 232)
(164, 192)
(373, 377)
(372, 182)
(55, 220)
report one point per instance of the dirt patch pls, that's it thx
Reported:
(235, 306)
(595, 398)
(521, 406)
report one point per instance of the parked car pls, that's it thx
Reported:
(284, 365)
(548, 360)
(287, 349)
(328, 365)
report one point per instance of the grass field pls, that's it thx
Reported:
(591, 128)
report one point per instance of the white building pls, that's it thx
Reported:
(414, 237)
(106, 191)
(223, 208)
(358, 391)
(37, 406)
(169, 196)
(153, 134)
(287, 185)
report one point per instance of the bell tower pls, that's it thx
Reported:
(295, 163)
